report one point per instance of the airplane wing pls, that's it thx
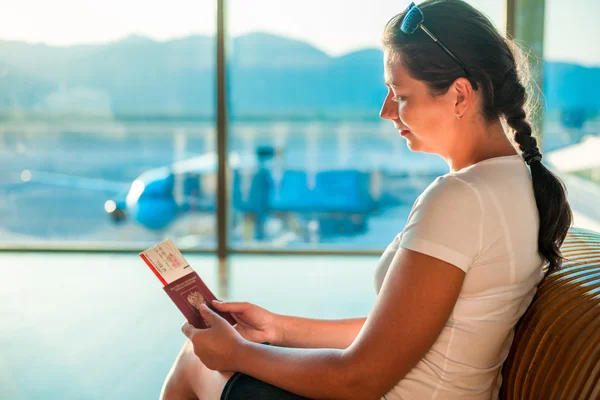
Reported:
(75, 182)
(583, 155)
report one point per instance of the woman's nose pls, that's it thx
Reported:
(388, 109)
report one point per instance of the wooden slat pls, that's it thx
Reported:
(556, 350)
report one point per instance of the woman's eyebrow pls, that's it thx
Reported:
(390, 82)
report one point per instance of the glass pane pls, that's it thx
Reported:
(132, 328)
(271, 282)
(104, 111)
(305, 92)
(572, 107)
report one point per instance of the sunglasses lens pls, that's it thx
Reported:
(412, 19)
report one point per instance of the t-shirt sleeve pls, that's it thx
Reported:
(446, 222)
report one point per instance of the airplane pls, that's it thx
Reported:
(341, 200)
(338, 201)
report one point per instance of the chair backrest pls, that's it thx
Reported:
(556, 350)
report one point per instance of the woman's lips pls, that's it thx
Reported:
(404, 132)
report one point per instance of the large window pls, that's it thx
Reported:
(107, 123)
(572, 106)
(313, 166)
(107, 130)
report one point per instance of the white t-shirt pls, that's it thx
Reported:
(484, 220)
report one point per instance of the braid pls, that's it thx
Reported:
(514, 97)
(550, 193)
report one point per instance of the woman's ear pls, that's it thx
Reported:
(464, 96)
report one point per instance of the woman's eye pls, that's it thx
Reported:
(397, 99)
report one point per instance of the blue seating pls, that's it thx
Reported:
(338, 191)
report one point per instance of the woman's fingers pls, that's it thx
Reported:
(231, 306)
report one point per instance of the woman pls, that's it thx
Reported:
(455, 281)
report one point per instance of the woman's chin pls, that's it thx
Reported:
(412, 145)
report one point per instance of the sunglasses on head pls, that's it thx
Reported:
(414, 19)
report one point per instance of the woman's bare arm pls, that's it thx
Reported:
(318, 333)
(415, 302)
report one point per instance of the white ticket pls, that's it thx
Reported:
(168, 261)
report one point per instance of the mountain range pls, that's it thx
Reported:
(268, 75)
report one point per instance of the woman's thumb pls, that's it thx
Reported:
(207, 313)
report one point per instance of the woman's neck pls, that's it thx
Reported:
(484, 144)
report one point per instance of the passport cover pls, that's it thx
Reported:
(188, 293)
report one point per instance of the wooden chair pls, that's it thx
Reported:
(556, 349)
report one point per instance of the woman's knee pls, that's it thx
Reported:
(178, 385)
(190, 379)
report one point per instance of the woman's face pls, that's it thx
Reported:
(425, 121)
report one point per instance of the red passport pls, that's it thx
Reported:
(182, 284)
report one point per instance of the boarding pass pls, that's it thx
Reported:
(166, 261)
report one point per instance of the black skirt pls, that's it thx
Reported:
(244, 387)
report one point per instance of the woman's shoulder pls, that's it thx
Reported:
(450, 186)
(469, 181)
(450, 194)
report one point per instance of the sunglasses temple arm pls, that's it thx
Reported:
(439, 43)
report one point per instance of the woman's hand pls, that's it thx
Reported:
(218, 345)
(254, 323)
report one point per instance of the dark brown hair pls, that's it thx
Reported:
(498, 68)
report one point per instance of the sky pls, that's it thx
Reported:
(334, 26)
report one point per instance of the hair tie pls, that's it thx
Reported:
(532, 155)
